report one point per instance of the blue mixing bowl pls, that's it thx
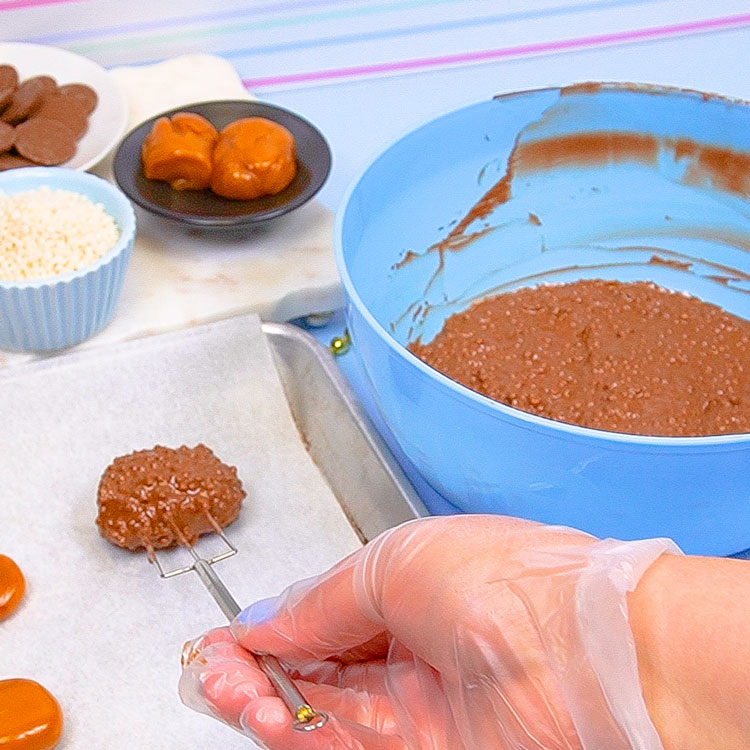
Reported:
(611, 181)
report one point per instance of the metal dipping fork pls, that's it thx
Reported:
(306, 718)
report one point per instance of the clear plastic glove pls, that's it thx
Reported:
(448, 633)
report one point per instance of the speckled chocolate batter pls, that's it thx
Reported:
(623, 357)
(147, 498)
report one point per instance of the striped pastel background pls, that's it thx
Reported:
(291, 44)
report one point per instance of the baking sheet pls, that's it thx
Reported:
(360, 469)
(98, 627)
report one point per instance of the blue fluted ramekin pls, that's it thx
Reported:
(60, 311)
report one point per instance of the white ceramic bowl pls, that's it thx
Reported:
(107, 122)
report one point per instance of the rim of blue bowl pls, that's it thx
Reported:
(51, 177)
(462, 391)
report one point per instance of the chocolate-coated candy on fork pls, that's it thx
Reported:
(158, 498)
(162, 497)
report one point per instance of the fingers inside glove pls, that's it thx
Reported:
(221, 678)
(313, 620)
(268, 720)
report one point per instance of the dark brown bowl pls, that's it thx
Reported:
(206, 209)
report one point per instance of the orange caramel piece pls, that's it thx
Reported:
(253, 157)
(12, 587)
(179, 151)
(30, 717)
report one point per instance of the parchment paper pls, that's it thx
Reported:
(98, 627)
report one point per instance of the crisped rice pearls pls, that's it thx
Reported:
(47, 232)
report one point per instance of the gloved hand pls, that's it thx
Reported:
(448, 633)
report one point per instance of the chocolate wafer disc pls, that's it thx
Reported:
(13, 161)
(8, 84)
(7, 137)
(49, 85)
(85, 95)
(45, 141)
(66, 109)
(26, 99)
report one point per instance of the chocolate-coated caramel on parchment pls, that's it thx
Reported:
(624, 357)
(162, 497)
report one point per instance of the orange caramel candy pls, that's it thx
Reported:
(12, 587)
(179, 151)
(30, 717)
(253, 157)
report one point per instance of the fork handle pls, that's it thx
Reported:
(215, 586)
(306, 718)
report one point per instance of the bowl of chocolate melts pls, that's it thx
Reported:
(57, 108)
(552, 305)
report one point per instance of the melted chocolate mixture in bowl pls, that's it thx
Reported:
(162, 497)
(624, 357)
